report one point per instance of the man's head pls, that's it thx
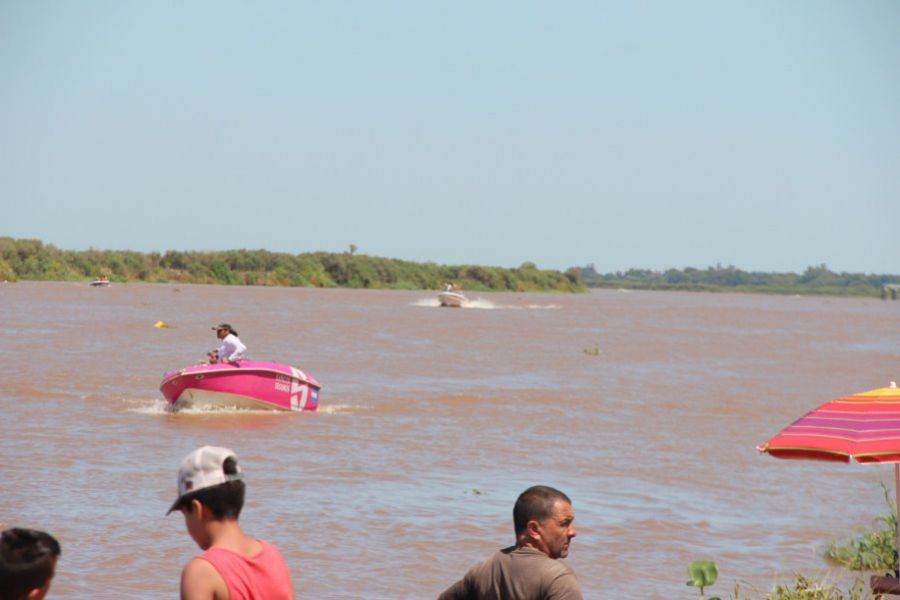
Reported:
(27, 563)
(543, 519)
(223, 329)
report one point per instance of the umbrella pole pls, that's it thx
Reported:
(897, 500)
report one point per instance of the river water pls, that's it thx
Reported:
(644, 407)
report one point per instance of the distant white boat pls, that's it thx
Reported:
(100, 282)
(452, 299)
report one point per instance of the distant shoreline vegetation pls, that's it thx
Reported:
(815, 280)
(24, 259)
(32, 260)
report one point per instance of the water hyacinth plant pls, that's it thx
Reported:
(874, 550)
(806, 588)
(703, 573)
(595, 351)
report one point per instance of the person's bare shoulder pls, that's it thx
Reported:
(201, 581)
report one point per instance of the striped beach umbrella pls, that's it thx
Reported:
(864, 427)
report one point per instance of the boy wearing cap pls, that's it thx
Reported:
(232, 348)
(233, 566)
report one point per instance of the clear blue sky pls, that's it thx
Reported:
(764, 134)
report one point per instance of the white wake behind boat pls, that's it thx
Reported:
(452, 299)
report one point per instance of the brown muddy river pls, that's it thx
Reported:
(644, 407)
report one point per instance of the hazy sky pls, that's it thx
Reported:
(764, 134)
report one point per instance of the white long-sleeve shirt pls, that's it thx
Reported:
(232, 348)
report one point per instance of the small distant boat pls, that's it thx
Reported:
(246, 384)
(100, 282)
(452, 299)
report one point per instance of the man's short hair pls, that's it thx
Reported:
(27, 560)
(535, 503)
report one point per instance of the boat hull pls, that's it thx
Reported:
(247, 384)
(452, 299)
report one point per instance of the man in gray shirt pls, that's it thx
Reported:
(530, 570)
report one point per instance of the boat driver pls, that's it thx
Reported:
(232, 349)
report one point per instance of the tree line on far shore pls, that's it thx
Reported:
(25, 259)
(817, 279)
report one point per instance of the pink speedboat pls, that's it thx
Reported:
(247, 384)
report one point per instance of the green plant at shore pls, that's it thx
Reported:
(874, 550)
(703, 573)
(805, 588)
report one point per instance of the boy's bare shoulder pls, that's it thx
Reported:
(201, 581)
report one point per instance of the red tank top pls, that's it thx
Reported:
(264, 576)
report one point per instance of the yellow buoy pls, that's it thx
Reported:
(163, 324)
